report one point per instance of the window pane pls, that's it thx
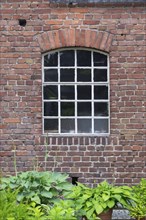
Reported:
(101, 109)
(84, 126)
(67, 126)
(50, 109)
(67, 92)
(101, 125)
(84, 92)
(51, 75)
(99, 59)
(67, 109)
(67, 75)
(84, 109)
(100, 75)
(50, 92)
(100, 92)
(83, 58)
(67, 58)
(51, 59)
(51, 125)
(84, 75)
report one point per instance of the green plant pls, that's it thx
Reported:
(138, 208)
(103, 197)
(64, 210)
(38, 187)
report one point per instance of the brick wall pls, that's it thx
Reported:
(119, 30)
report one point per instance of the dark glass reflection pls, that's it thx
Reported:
(101, 109)
(99, 59)
(50, 109)
(50, 92)
(84, 108)
(84, 75)
(67, 92)
(51, 75)
(67, 75)
(84, 92)
(100, 75)
(51, 59)
(100, 92)
(101, 125)
(67, 126)
(84, 126)
(67, 109)
(83, 58)
(51, 125)
(67, 58)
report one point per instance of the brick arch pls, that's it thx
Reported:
(74, 37)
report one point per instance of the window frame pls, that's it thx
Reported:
(74, 84)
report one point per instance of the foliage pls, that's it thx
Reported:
(38, 187)
(64, 210)
(100, 199)
(138, 209)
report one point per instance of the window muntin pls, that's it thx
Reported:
(75, 92)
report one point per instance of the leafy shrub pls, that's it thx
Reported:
(39, 187)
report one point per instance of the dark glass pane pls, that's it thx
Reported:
(67, 109)
(84, 126)
(99, 59)
(50, 109)
(84, 75)
(84, 92)
(84, 109)
(100, 75)
(51, 75)
(51, 125)
(67, 58)
(50, 92)
(51, 59)
(67, 126)
(100, 92)
(67, 75)
(83, 58)
(101, 109)
(101, 125)
(67, 92)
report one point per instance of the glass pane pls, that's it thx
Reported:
(67, 109)
(100, 92)
(84, 126)
(51, 125)
(50, 109)
(83, 58)
(67, 75)
(84, 109)
(50, 92)
(101, 125)
(101, 109)
(67, 126)
(84, 75)
(99, 59)
(51, 75)
(84, 92)
(67, 58)
(100, 75)
(67, 92)
(51, 59)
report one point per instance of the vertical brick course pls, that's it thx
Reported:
(119, 31)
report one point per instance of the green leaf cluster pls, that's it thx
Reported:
(39, 187)
(138, 208)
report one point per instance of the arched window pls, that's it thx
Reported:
(75, 92)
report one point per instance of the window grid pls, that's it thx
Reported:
(76, 100)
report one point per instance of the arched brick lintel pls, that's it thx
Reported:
(75, 38)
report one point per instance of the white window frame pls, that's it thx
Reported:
(75, 84)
